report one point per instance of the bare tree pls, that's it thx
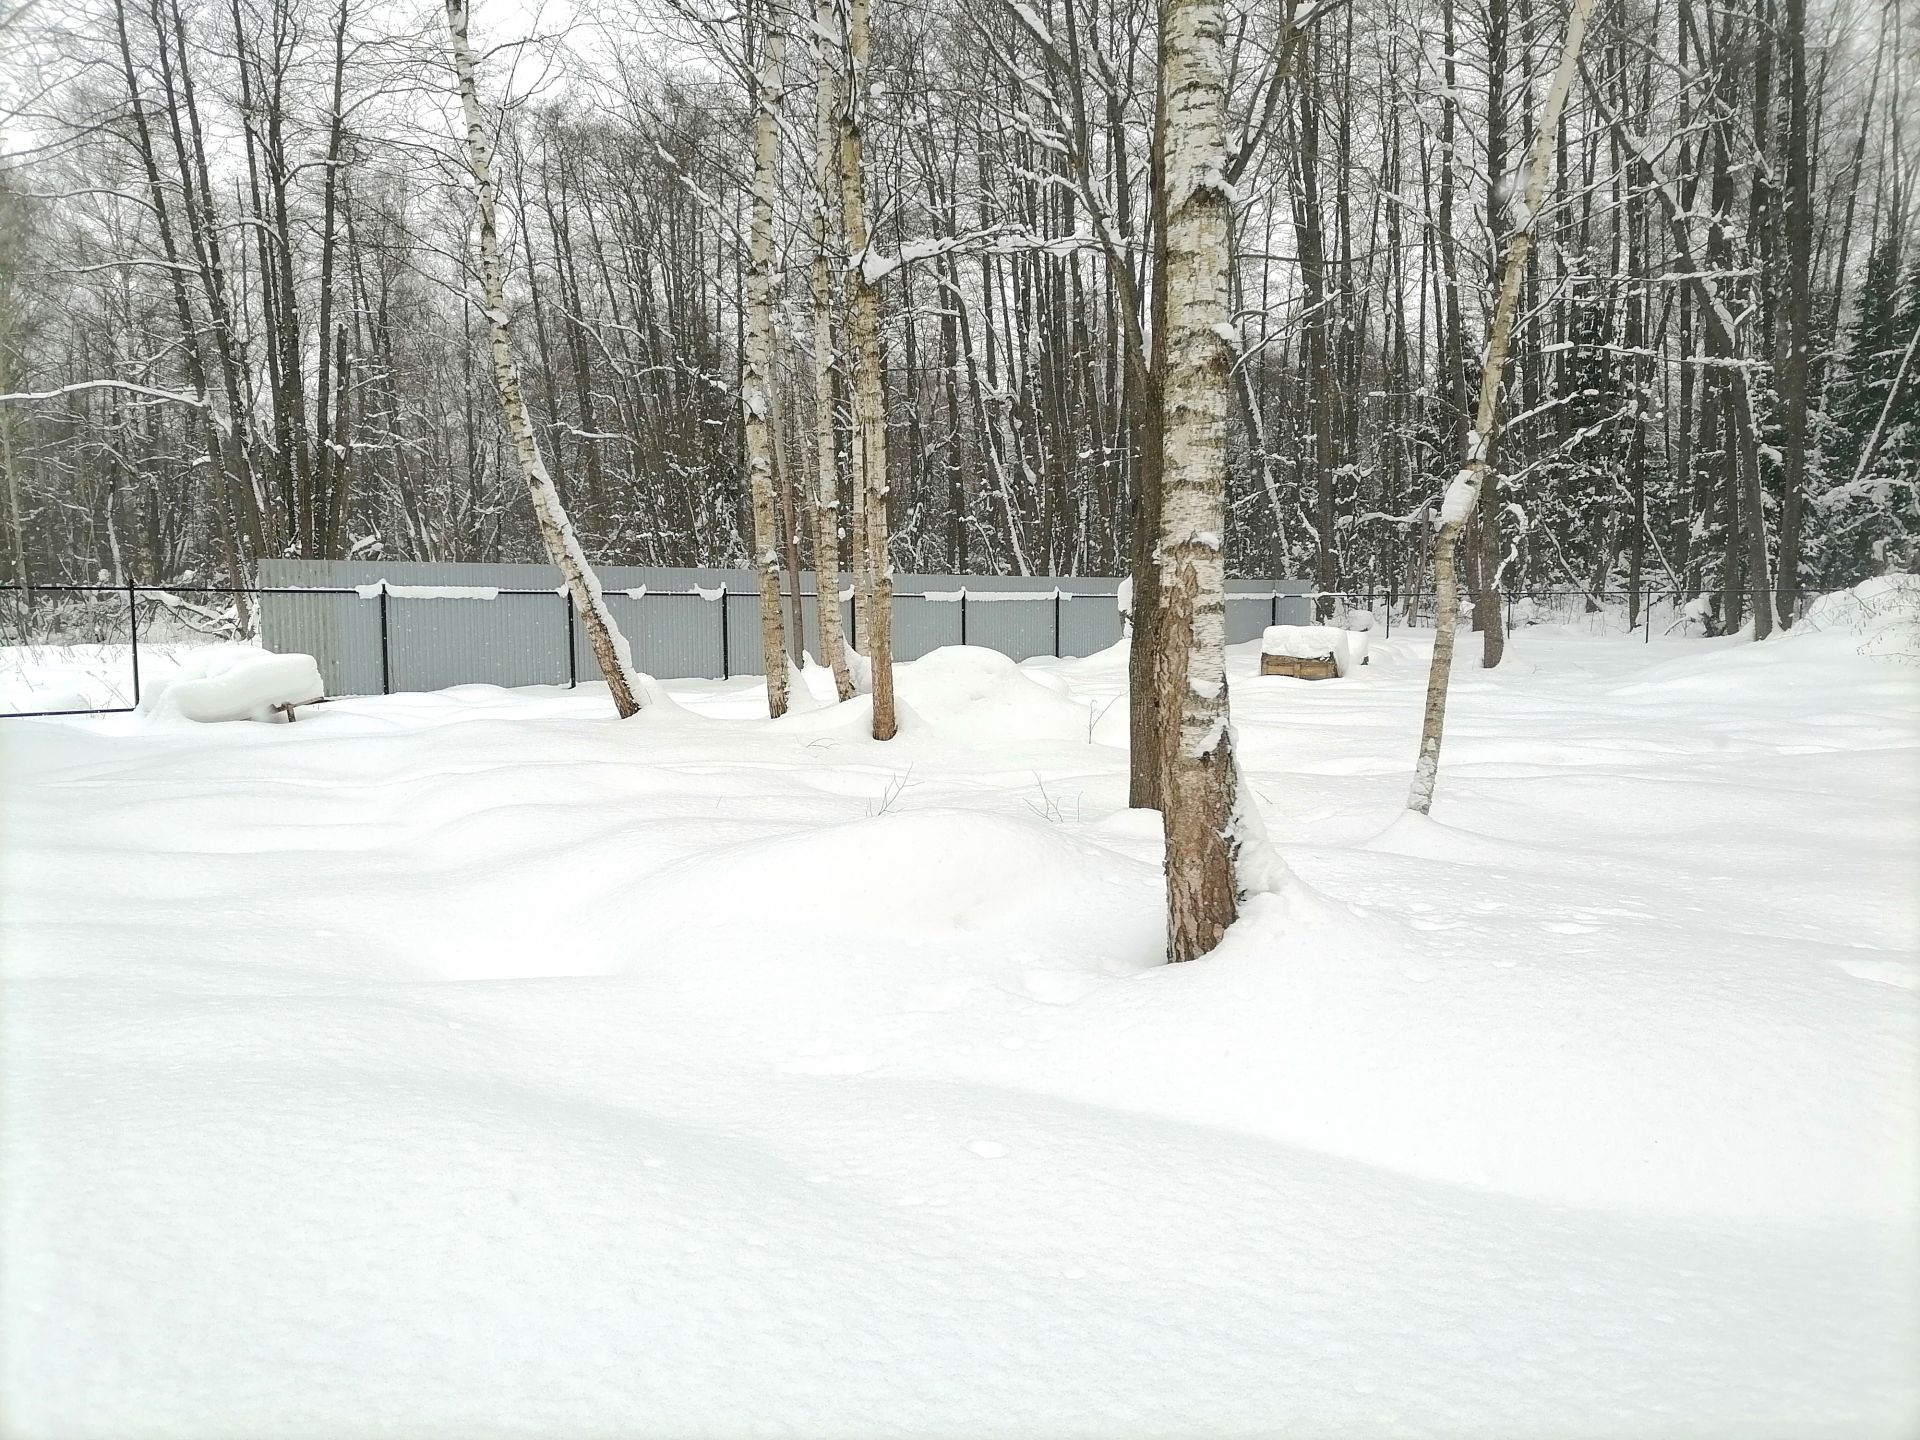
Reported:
(827, 44)
(872, 559)
(756, 375)
(233, 210)
(563, 546)
(1464, 494)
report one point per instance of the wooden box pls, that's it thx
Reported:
(1320, 667)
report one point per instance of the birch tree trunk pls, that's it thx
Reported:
(872, 559)
(1464, 493)
(1197, 806)
(826, 502)
(563, 546)
(757, 378)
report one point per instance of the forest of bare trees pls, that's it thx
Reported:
(240, 270)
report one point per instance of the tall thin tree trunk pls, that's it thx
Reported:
(563, 546)
(1147, 725)
(874, 559)
(1485, 570)
(1464, 493)
(1799, 316)
(1197, 808)
(826, 505)
(756, 386)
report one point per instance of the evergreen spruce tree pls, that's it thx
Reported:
(1873, 511)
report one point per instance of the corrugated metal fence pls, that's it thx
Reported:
(377, 627)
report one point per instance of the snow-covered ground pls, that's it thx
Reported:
(473, 1064)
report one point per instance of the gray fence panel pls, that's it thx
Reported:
(509, 640)
(675, 632)
(1247, 617)
(1088, 624)
(1018, 628)
(342, 632)
(921, 625)
(672, 636)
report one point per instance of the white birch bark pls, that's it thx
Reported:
(872, 559)
(1198, 798)
(757, 364)
(826, 506)
(556, 530)
(1463, 495)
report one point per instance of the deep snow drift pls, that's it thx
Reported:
(473, 1064)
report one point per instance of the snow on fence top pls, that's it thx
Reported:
(427, 592)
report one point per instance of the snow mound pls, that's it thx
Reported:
(1883, 611)
(916, 878)
(235, 682)
(979, 696)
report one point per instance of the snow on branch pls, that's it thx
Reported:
(198, 402)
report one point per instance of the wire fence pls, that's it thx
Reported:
(89, 649)
(1646, 610)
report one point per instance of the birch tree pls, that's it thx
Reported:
(872, 558)
(563, 546)
(1463, 494)
(756, 373)
(827, 44)
(1198, 793)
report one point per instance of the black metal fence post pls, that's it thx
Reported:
(386, 658)
(1056, 622)
(853, 612)
(133, 638)
(726, 652)
(963, 614)
(573, 661)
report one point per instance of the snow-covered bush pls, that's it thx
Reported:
(1883, 611)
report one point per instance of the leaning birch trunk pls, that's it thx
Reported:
(563, 546)
(756, 381)
(872, 560)
(1197, 807)
(826, 505)
(1463, 494)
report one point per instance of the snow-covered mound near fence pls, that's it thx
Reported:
(1883, 611)
(979, 696)
(235, 682)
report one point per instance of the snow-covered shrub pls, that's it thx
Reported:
(1883, 611)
